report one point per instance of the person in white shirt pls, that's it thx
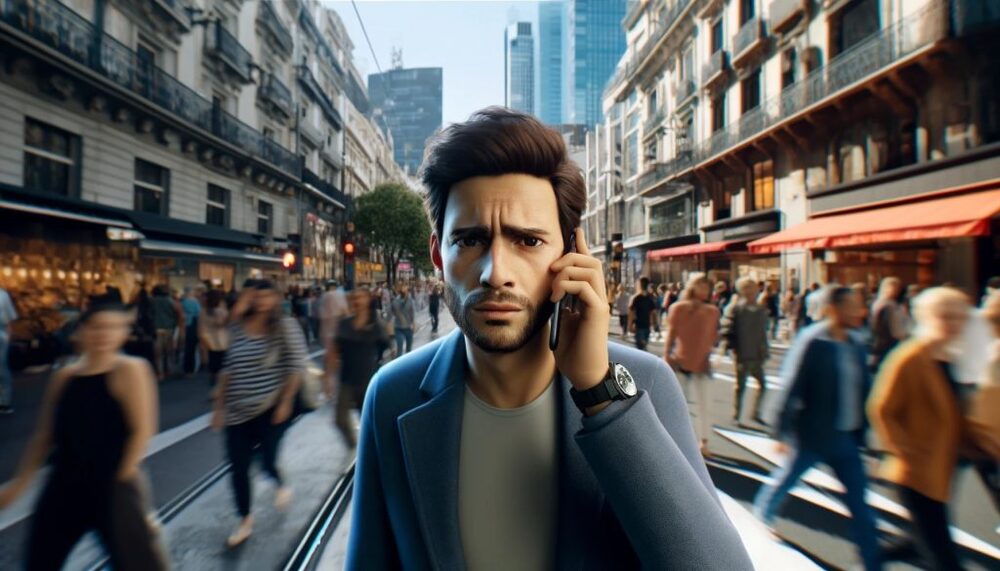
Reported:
(7, 315)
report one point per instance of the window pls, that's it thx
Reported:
(151, 184)
(854, 24)
(51, 159)
(750, 88)
(719, 112)
(747, 10)
(763, 186)
(217, 206)
(717, 36)
(788, 62)
(265, 212)
(687, 63)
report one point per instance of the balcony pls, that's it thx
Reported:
(327, 188)
(174, 12)
(650, 127)
(685, 91)
(660, 228)
(278, 32)
(226, 48)
(276, 94)
(715, 69)
(311, 133)
(663, 172)
(312, 87)
(849, 70)
(748, 41)
(784, 14)
(65, 32)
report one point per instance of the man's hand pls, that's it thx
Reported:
(582, 354)
(781, 448)
(10, 492)
(282, 412)
(218, 418)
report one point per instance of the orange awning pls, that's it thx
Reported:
(948, 217)
(691, 249)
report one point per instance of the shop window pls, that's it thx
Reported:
(763, 186)
(750, 89)
(719, 112)
(217, 206)
(852, 25)
(151, 185)
(265, 214)
(51, 159)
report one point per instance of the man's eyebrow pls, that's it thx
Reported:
(511, 231)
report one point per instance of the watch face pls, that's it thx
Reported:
(624, 380)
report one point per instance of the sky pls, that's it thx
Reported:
(464, 37)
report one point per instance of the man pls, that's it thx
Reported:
(404, 315)
(333, 308)
(621, 306)
(812, 305)
(888, 321)
(165, 322)
(692, 330)
(192, 310)
(434, 307)
(744, 331)
(823, 415)
(721, 295)
(641, 314)
(488, 450)
(8, 313)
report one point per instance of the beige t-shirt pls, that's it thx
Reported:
(507, 484)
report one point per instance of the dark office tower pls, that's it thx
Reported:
(594, 43)
(410, 100)
(550, 62)
(519, 67)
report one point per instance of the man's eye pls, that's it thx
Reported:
(467, 242)
(531, 242)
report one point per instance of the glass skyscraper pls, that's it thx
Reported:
(411, 101)
(593, 43)
(550, 58)
(519, 68)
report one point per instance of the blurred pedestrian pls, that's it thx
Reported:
(692, 330)
(661, 297)
(143, 329)
(811, 309)
(790, 311)
(984, 422)
(621, 307)
(333, 308)
(744, 332)
(404, 315)
(887, 319)
(770, 299)
(191, 307)
(8, 313)
(165, 321)
(641, 314)
(355, 355)
(434, 307)
(96, 421)
(256, 391)
(315, 308)
(916, 383)
(213, 332)
(822, 418)
(721, 295)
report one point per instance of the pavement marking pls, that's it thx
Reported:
(764, 447)
(764, 551)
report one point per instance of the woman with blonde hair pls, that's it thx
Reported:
(916, 382)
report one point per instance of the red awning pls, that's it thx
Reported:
(947, 217)
(691, 249)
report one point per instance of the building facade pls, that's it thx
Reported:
(410, 101)
(592, 46)
(794, 141)
(550, 61)
(519, 67)
(145, 143)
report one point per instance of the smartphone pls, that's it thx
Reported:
(555, 320)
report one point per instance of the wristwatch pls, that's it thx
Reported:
(617, 384)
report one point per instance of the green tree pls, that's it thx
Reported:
(392, 219)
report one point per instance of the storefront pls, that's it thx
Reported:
(934, 238)
(319, 250)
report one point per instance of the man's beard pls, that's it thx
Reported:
(497, 336)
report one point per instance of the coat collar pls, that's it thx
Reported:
(431, 436)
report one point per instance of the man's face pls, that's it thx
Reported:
(849, 312)
(501, 234)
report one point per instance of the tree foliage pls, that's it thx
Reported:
(392, 219)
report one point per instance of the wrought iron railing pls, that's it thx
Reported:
(750, 32)
(844, 70)
(318, 94)
(269, 17)
(66, 32)
(326, 187)
(231, 51)
(660, 29)
(715, 65)
(671, 227)
(273, 90)
(664, 171)
(653, 122)
(685, 89)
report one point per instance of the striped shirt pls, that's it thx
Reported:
(257, 368)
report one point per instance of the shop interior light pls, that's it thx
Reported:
(22, 273)
(61, 275)
(74, 276)
(87, 275)
(124, 234)
(33, 273)
(47, 274)
(8, 271)
(97, 277)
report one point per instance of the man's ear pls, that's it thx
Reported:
(435, 247)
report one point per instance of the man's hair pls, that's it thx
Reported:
(644, 283)
(745, 282)
(837, 294)
(497, 141)
(694, 280)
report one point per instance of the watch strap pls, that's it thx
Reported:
(604, 391)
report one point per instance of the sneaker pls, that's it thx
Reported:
(6, 410)
(282, 498)
(241, 534)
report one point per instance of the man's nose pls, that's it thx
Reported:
(496, 267)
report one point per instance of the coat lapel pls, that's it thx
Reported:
(580, 496)
(431, 436)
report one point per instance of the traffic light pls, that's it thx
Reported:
(349, 251)
(291, 261)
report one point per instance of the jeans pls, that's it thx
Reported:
(349, 397)
(241, 440)
(745, 369)
(404, 335)
(215, 361)
(843, 456)
(930, 530)
(6, 378)
(434, 321)
(191, 347)
(641, 338)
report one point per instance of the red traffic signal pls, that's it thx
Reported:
(349, 248)
(288, 260)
